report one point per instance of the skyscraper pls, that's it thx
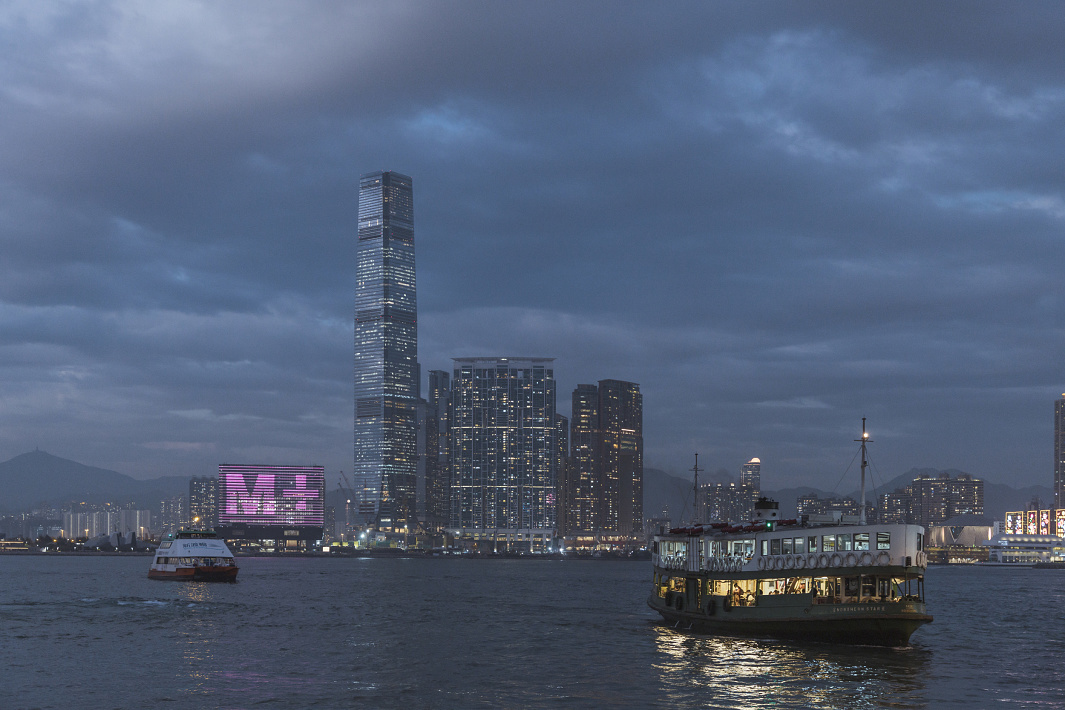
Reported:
(437, 464)
(386, 354)
(606, 444)
(751, 475)
(1059, 453)
(203, 502)
(620, 457)
(504, 448)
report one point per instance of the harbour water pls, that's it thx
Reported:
(94, 632)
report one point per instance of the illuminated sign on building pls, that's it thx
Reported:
(1044, 522)
(1015, 523)
(271, 495)
(1059, 522)
(1032, 522)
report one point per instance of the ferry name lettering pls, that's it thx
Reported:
(863, 607)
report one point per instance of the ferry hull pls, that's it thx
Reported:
(887, 624)
(195, 574)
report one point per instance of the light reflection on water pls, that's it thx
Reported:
(754, 673)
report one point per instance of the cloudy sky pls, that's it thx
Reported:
(777, 218)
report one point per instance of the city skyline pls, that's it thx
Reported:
(778, 222)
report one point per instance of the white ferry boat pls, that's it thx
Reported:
(194, 556)
(838, 581)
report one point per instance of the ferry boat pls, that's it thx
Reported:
(830, 579)
(194, 556)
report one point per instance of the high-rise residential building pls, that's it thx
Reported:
(386, 354)
(563, 472)
(620, 457)
(727, 502)
(203, 502)
(936, 500)
(751, 475)
(437, 468)
(503, 444)
(582, 482)
(895, 507)
(172, 515)
(1059, 453)
(605, 492)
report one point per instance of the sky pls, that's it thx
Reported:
(777, 218)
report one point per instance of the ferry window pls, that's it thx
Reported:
(861, 541)
(765, 547)
(813, 543)
(828, 543)
(799, 545)
(920, 542)
(786, 546)
(158, 560)
(883, 541)
(843, 542)
(774, 546)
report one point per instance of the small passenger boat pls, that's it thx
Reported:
(829, 580)
(194, 556)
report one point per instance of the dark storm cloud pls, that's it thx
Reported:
(776, 218)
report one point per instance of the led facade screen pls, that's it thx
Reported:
(1059, 518)
(1032, 527)
(271, 495)
(1015, 523)
(1044, 522)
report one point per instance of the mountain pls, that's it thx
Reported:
(38, 478)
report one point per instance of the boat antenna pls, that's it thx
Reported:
(695, 469)
(861, 503)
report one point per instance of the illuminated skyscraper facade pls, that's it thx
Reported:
(606, 449)
(751, 475)
(203, 502)
(503, 440)
(620, 457)
(386, 354)
(1059, 453)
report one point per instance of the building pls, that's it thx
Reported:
(437, 464)
(1059, 453)
(386, 354)
(729, 502)
(282, 506)
(620, 458)
(138, 522)
(503, 444)
(934, 500)
(172, 515)
(582, 483)
(203, 503)
(812, 504)
(751, 476)
(895, 507)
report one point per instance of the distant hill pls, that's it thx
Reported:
(38, 478)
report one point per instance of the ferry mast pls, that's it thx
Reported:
(861, 503)
(695, 492)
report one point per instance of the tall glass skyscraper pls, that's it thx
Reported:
(504, 447)
(386, 354)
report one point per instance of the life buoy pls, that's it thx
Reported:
(851, 559)
(761, 563)
(776, 563)
(726, 603)
(823, 560)
(679, 603)
(789, 562)
(710, 607)
(836, 560)
(922, 559)
(867, 559)
(800, 561)
(883, 559)
(811, 560)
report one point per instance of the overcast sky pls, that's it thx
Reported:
(776, 217)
